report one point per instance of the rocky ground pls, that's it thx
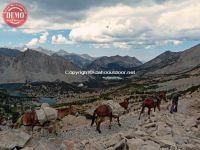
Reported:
(164, 131)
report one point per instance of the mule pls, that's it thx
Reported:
(125, 104)
(30, 118)
(103, 111)
(152, 102)
(62, 112)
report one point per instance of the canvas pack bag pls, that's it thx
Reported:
(46, 113)
(116, 108)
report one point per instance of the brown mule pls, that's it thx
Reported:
(152, 102)
(105, 111)
(30, 118)
(62, 112)
(99, 114)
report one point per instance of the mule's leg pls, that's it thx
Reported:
(32, 131)
(158, 105)
(118, 121)
(155, 105)
(142, 111)
(172, 108)
(110, 121)
(176, 106)
(98, 123)
(149, 112)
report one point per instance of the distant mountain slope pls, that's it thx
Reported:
(80, 60)
(159, 62)
(9, 52)
(114, 63)
(36, 66)
(45, 51)
(173, 62)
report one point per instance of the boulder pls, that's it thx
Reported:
(113, 140)
(168, 144)
(189, 123)
(189, 147)
(163, 129)
(140, 133)
(13, 138)
(70, 145)
(149, 145)
(150, 125)
(181, 140)
(122, 145)
(134, 144)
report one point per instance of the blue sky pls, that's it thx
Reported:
(143, 29)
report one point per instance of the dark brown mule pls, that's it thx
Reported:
(152, 102)
(125, 103)
(105, 111)
(30, 118)
(99, 114)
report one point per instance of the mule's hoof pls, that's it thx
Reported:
(109, 127)
(99, 131)
(120, 125)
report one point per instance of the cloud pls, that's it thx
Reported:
(42, 39)
(139, 27)
(33, 42)
(114, 23)
(60, 39)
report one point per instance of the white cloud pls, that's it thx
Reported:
(42, 39)
(124, 26)
(60, 39)
(145, 26)
(33, 42)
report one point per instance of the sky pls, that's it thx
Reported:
(139, 28)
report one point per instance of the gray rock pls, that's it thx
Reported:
(122, 145)
(134, 144)
(13, 138)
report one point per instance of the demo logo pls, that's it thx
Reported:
(15, 15)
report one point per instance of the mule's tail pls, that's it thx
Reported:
(142, 110)
(93, 118)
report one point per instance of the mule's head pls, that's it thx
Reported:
(62, 112)
(162, 95)
(127, 100)
(72, 111)
(125, 103)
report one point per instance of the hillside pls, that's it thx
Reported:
(172, 62)
(35, 66)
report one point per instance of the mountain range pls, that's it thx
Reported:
(114, 63)
(44, 65)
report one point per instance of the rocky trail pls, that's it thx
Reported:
(164, 131)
